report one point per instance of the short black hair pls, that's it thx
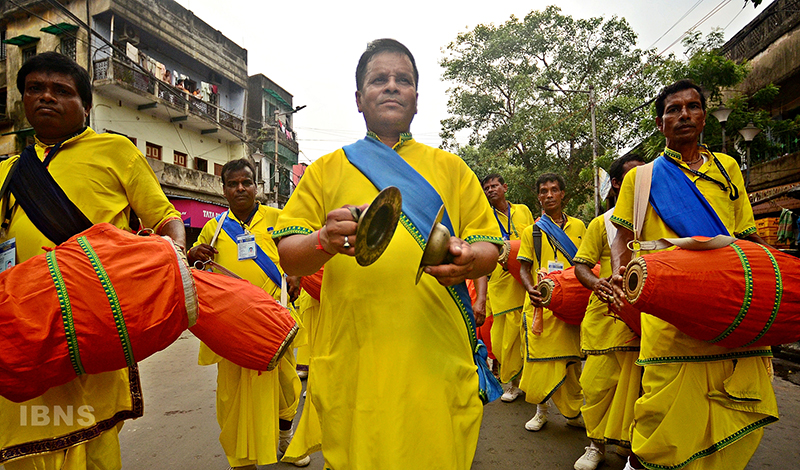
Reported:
(235, 165)
(54, 62)
(380, 46)
(680, 85)
(492, 176)
(617, 168)
(550, 177)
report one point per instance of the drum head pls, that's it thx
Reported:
(635, 277)
(546, 289)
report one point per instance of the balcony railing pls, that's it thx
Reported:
(113, 69)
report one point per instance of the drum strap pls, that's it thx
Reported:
(45, 203)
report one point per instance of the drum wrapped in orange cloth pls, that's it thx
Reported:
(313, 283)
(744, 294)
(241, 322)
(106, 299)
(512, 265)
(100, 301)
(565, 296)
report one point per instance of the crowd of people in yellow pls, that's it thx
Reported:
(392, 363)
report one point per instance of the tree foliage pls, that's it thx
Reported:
(521, 96)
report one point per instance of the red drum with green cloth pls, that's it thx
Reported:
(106, 299)
(100, 301)
(743, 294)
(565, 296)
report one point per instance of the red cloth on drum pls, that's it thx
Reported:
(313, 283)
(513, 266)
(744, 294)
(569, 298)
(59, 311)
(240, 321)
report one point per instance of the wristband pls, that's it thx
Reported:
(319, 244)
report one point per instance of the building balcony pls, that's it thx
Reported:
(114, 78)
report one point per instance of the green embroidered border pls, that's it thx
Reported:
(709, 358)
(413, 230)
(293, 230)
(66, 313)
(603, 352)
(523, 258)
(624, 223)
(483, 238)
(714, 447)
(507, 311)
(746, 232)
(778, 296)
(113, 300)
(748, 294)
(585, 261)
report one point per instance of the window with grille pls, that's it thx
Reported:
(179, 158)
(153, 151)
(28, 53)
(217, 169)
(68, 47)
(2, 45)
(201, 164)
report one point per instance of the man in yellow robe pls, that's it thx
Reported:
(255, 409)
(704, 406)
(553, 359)
(394, 363)
(610, 378)
(105, 176)
(506, 294)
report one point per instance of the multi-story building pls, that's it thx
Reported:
(270, 116)
(171, 83)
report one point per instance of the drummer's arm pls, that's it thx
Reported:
(479, 307)
(529, 282)
(755, 237)
(175, 230)
(620, 257)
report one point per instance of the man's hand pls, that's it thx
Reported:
(603, 290)
(469, 262)
(339, 233)
(479, 309)
(617, 286)
(536, 297)
(202, 252)
(293, 287)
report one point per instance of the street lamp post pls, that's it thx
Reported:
(595, 174)
(722, 114)
(749, 133)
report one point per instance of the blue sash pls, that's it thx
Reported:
(680, 204)
(233, 229)
(557, 237)
(384, 167)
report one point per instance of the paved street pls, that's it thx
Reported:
(179, 430)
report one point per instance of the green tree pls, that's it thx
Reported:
(511, 97)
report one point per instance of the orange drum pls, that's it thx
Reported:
(241, 322)
(512, 265)
(565, 296)
(313, 283)
(630, 315)
(101, 301)
(744, 294)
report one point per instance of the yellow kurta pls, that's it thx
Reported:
(507, 297)
(698, 397)
(250, 402)
(610, 378)
(392, 365)
(105, 176)
(554, 358)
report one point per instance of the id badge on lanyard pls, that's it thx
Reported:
(246, 244)
(554, 265)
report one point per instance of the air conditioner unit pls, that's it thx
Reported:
(129, 34)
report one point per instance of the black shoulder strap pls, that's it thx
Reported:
(44, 202)
(537, 244)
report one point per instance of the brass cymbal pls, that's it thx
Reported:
(376, 225)
(437, 249)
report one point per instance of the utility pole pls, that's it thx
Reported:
(276, 179)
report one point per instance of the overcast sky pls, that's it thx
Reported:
(311, 48)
